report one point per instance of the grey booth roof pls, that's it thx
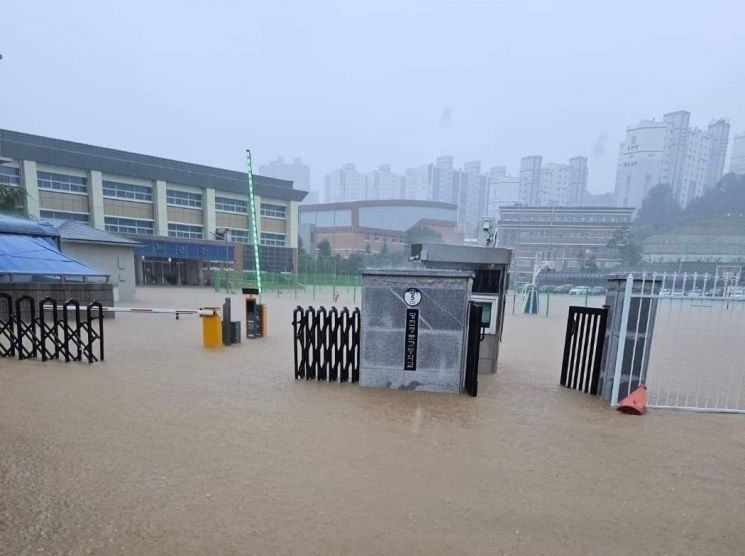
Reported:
(462, 254)
(24, 146)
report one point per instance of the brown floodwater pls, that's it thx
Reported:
(168, 448)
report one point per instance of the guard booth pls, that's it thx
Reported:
(489, 288)
(418, 332)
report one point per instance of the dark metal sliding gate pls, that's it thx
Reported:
(54, 332)
(583, 348)
(327, 344)
(471, 381)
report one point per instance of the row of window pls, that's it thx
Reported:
(128, 225)
(511, 217)
(65, 215)
(146, 227)
(76, 184)
(191, 231)
(275, 211)
(62, 182)
(369, 237)
(9, 176)
(183, 198)
(272, 239)
(226, 204)
(127, 191)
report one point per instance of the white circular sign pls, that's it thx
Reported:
(412, 297)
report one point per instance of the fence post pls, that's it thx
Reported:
(7, 328)
(622, 340)
(548, 301)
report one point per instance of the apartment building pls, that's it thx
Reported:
(551, 183)
(689, 159)
(737, 159)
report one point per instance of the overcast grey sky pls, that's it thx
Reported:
(368, 82)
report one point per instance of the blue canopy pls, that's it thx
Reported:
(22, 254)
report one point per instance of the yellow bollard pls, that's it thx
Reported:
(264, 321)
(212, 328)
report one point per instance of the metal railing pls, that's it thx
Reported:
(47, 330)
(327, 344)
(684, 339)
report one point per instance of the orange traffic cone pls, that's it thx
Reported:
(635, 403)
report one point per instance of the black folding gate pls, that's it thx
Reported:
(327, 344)
(583, 348)
(29, 330)
(471, 380)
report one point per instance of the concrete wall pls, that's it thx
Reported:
(117, 262)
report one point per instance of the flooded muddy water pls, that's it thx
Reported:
(167, 448)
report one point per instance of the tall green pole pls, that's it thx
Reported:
(253, 220)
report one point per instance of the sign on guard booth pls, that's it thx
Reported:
(414, 329)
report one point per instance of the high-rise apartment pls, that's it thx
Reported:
(689, 159)
(530, 180)
(503, 191)
(554, 190)
(718, 131)
(578, 174)
(472, 202)
(552, 184)
(297, 172)
(383, 184)
(345, 184)
(737, 159)
(640, 162)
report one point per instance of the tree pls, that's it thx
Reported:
(725, 199)
(421, 234)
(384, 249)
(12, 199)
(367, 248)
(628, 249)
(659, 211)
(324, 248)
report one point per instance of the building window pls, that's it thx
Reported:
(226, 204)
(269, 238)
(191, 231)
(238, 236)
(275, 211)
(9, 176)
(64, 215)
(62, 182)
(127, 191)
(128, 225)
(183, 199)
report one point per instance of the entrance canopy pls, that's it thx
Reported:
(25, 254)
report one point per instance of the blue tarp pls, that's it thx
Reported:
(21, 254)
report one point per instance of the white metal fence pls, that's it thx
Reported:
(685, 337)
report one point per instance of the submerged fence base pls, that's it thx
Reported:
(49, 330)
(327, 344)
